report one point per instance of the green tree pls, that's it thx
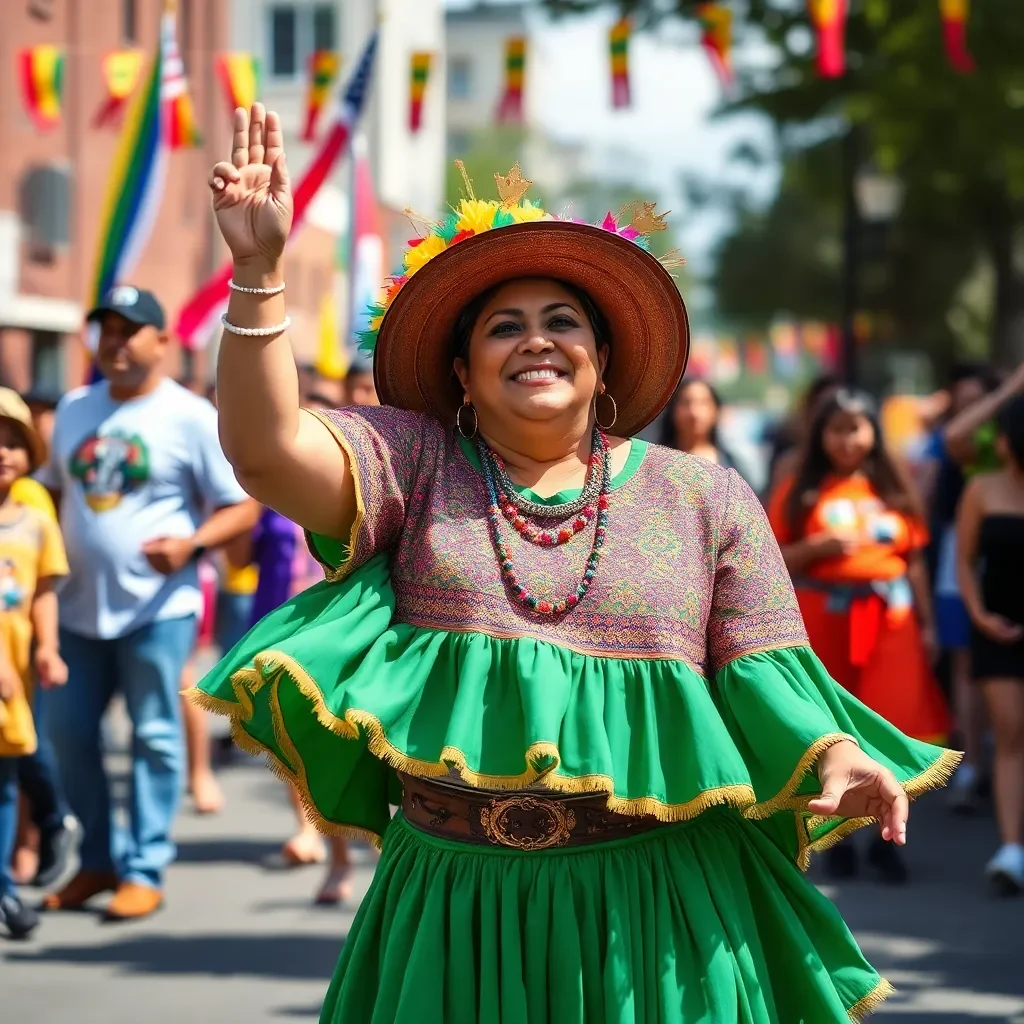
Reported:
(957, 141)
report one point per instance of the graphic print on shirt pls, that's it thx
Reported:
(109, 466)
(867, 519)
(12, 593)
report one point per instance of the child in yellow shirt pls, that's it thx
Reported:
(32, 559)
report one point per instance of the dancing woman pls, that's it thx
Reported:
(573, 659)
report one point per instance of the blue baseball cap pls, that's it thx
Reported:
(134, 304)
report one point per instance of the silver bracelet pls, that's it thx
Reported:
(256, 291)
(255, 332)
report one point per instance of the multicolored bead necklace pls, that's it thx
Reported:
(600, 453)
(515, 507)
(587, 496)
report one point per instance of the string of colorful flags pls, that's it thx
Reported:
(786, 352)
(41, 69)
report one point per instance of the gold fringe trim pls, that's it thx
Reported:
(336, 573)
(268, 668)
(786, 799)
(295, 778)
(934, 776)
(871, 1001)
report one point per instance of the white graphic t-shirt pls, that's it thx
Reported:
(129, 472)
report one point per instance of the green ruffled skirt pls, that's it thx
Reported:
(707, 921)
(703, 922)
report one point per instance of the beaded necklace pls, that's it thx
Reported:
(496, 508)
(514, 507)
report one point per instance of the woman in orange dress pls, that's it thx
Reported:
(853, 536)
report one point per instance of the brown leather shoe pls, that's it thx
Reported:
(132, 901)
(82, 888)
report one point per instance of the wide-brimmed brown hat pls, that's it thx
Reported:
(14, 409)
(650, 334)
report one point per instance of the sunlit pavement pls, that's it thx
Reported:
(241, 942)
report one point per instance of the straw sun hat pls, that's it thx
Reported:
(14, 410)
(483, 243)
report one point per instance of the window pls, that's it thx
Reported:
(296, 30)
(45, 204)
(47, 361)
(284, 57)
(460, 78)
(324, 36)
(129, 28)
(458, 144)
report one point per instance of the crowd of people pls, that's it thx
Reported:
(119, 496)
(906, 575)
(907, 572)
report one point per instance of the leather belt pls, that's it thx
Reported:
(524, 821)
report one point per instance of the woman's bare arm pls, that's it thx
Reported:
(968, 523)
(284, 457)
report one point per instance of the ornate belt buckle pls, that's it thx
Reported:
(527, 822)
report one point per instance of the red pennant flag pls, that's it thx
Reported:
(829, 20)
(954, 14)
(716, 20)
(618, 46)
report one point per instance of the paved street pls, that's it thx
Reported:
(240, 942)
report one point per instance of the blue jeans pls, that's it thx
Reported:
(144, 665)
(37, 773)
(8, 821)
(233, 619)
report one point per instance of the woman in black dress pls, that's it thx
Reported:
(990, 540)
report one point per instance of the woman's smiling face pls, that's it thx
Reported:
(532, 354)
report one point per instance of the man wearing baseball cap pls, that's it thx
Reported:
(144, 490)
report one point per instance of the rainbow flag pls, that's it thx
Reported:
(618, 48)
(510, 109)
(42, 83)
(716, 21)
(198, 318)
(419, 73)
(954, 15)
(323, 70)
(239, 74)
(829, 20)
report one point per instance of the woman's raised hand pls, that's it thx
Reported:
(252, 195)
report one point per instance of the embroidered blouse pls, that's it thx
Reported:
(689, 570)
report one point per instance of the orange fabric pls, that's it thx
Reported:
(850, 506)
(872, 649)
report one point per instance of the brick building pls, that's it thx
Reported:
(53, 186)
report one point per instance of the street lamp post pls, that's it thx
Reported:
(870, 198)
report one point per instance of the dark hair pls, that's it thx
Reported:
(882, 470)
(319, 398)
(818, 386)
(668, 427)
(1011, 427)
(471, 313)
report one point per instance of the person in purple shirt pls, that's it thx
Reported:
(286, 567)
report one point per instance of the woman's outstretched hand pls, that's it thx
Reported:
(252, 196)
(856, 786)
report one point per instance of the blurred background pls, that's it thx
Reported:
(846, 184)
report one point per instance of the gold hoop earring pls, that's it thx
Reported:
(615, 411)
(468, 435)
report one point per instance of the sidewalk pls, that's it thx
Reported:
(240, 943)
